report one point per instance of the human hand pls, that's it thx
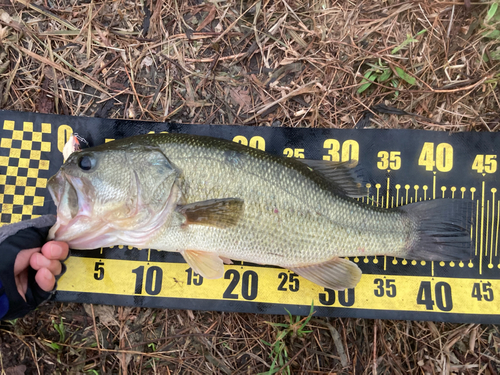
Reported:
(28, 265)
(44, 260)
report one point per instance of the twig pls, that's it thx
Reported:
(301, 90)
(49, 14)
(86, 81)
(35, 360)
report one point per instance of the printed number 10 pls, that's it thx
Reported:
(154, 278)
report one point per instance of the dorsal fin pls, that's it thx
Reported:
(341, 174)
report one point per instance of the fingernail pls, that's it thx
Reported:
(56, 250)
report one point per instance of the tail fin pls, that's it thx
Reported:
(443, 229)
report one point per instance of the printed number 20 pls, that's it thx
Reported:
(255, 142)
(249, 284)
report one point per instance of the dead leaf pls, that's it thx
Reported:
(45, 102)
(4, 16)
(209, 18)
(16, 370)
(106, 314)
(241, 97)
(346, 118)
(147, 61)
(288, 60)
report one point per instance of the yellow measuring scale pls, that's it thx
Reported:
(402, 166)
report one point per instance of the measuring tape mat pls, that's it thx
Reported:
(401, 166)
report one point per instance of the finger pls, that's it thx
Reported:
(39, 261)
(23, 260)
(45, 279)
(22, 283)
(55, 250)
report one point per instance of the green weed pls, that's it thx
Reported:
(492, 22)
(491, 26)
(279, 351)
(381, 72)
(59, 327)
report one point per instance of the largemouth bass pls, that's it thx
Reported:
(214, 200)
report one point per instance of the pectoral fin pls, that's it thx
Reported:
(207, 264)
(337, 274)
(219, 213)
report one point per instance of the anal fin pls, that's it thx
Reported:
(209, 265)
(337, 273)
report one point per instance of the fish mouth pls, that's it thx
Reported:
(65, 196)
(84, 225)
(74, 208)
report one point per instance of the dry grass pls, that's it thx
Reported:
(106, 339)
(267, 63)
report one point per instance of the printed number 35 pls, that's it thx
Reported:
(389, 160)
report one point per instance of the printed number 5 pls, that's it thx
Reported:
(99, 270)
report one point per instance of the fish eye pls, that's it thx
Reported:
(86, 163)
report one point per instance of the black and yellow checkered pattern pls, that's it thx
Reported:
(23, 169)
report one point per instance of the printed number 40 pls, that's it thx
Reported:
(441, 298)
(440, 157)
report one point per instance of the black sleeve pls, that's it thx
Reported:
(14, 238)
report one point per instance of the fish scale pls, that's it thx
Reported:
(311, 224)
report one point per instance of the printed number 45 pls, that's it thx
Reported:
(485, 164)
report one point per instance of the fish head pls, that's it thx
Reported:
(113, 195)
